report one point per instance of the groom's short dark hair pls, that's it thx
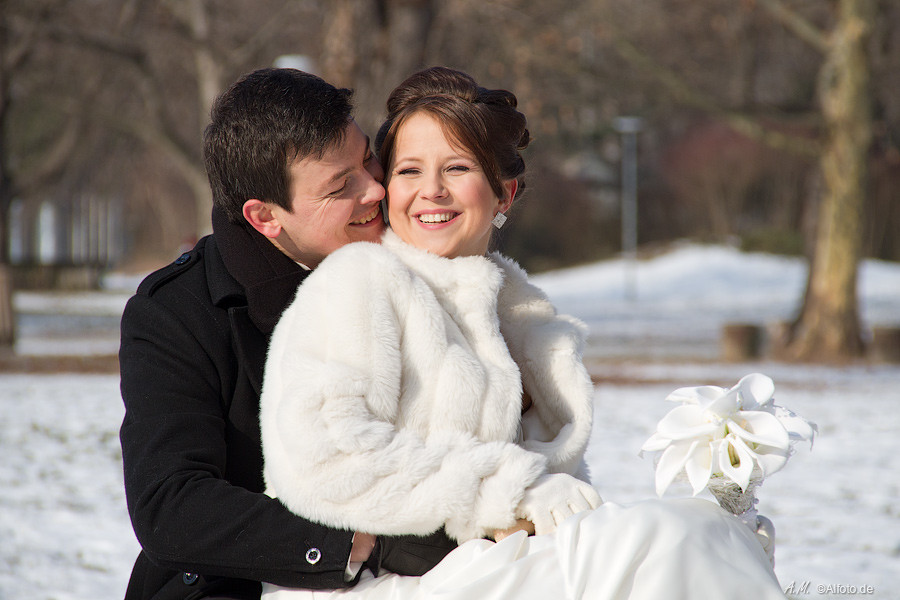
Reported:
(262, 124)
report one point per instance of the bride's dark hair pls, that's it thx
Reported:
(484, 122)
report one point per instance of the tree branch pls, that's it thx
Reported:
(154, 136)
(797, 24)
(53, 160)
(681, 91)
(106, 44)
(242, 54)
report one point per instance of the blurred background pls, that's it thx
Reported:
(767, 125)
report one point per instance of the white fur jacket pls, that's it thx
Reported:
(392, 399)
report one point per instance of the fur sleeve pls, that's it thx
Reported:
(548, 348)
(327, 413)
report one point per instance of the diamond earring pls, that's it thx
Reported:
(499, 220)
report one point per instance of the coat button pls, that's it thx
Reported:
(190, 578)
(183, 258)
(313, 555)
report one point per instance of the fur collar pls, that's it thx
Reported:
(468, 280)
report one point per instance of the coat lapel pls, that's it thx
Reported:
(250, 345)
(257, 281)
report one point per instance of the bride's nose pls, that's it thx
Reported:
(433, 188)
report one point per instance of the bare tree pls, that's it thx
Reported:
(94, 100)
(120, 97)
(372, 45)
(20, 24)
(171, 59)
(13, 51)
(828, 326)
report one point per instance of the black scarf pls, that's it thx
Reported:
(269, 277)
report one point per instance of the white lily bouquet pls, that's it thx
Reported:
(727, 439)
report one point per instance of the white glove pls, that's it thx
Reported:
(552, 498)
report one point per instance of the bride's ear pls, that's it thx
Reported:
(261, 218)
(509, 193)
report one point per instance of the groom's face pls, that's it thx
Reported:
(336, 200)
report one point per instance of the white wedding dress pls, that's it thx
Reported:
(683, 549)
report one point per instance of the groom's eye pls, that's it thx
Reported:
(338, 191)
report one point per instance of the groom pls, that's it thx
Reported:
(293, 179)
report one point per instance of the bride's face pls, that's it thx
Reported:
(439, 198)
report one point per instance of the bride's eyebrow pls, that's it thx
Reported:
(398, 157)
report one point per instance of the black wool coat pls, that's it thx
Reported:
(194, 340)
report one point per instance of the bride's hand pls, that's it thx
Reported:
(554, 497)
(363, 544)
(521, 525)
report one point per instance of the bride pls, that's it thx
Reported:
(443, 390)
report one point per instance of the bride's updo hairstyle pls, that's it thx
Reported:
(481, 121)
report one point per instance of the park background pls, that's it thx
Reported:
(699, 167)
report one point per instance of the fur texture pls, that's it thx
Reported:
(393, 392)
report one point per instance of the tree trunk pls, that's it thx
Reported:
(338, 59)
(389, 43)
(7, 316)
(209, 86)
(828, 327)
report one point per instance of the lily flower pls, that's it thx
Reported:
(736, 433)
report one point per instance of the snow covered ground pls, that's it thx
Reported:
(64, 531)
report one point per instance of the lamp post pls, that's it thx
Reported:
(628, 128)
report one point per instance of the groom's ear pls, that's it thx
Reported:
(260, 216)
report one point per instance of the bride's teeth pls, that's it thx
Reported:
(437, 218)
